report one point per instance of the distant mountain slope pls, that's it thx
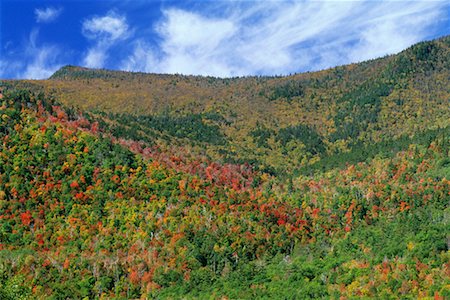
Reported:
(280, 124)
(87, 214)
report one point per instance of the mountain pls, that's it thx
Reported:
(332, 184)
(279, 124)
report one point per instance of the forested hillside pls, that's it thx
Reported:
(279, 124)
(333, 184)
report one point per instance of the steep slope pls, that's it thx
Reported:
(280, 124)
(333, 184)
(86, 214)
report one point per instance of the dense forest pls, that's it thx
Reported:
(332, 184)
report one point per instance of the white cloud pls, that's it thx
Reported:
(270, 43)
(105, 32)
(141, 59)
(399, 27)
(10, 68)
(43, 63)
(47, 15)
(36, 61)
(279, 37)
(95, 57)
(185, 30)
(39, 62)
(109, 27)
(194, 44)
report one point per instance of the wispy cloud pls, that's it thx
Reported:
(279, 37)
(41, 60)
(36, 62)
(105, 31)
(110, 27)
(43, 64)
(95, 57)
(47, 15)
(142, 59)
(227, 38)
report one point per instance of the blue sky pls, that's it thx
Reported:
(217, 38)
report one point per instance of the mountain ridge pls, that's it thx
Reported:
(66, 71)
(333, 184)
(267, 119)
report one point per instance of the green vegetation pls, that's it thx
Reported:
(191, 127)
(333, 184)
(287, 90)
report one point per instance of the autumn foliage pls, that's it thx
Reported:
(87, 211)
